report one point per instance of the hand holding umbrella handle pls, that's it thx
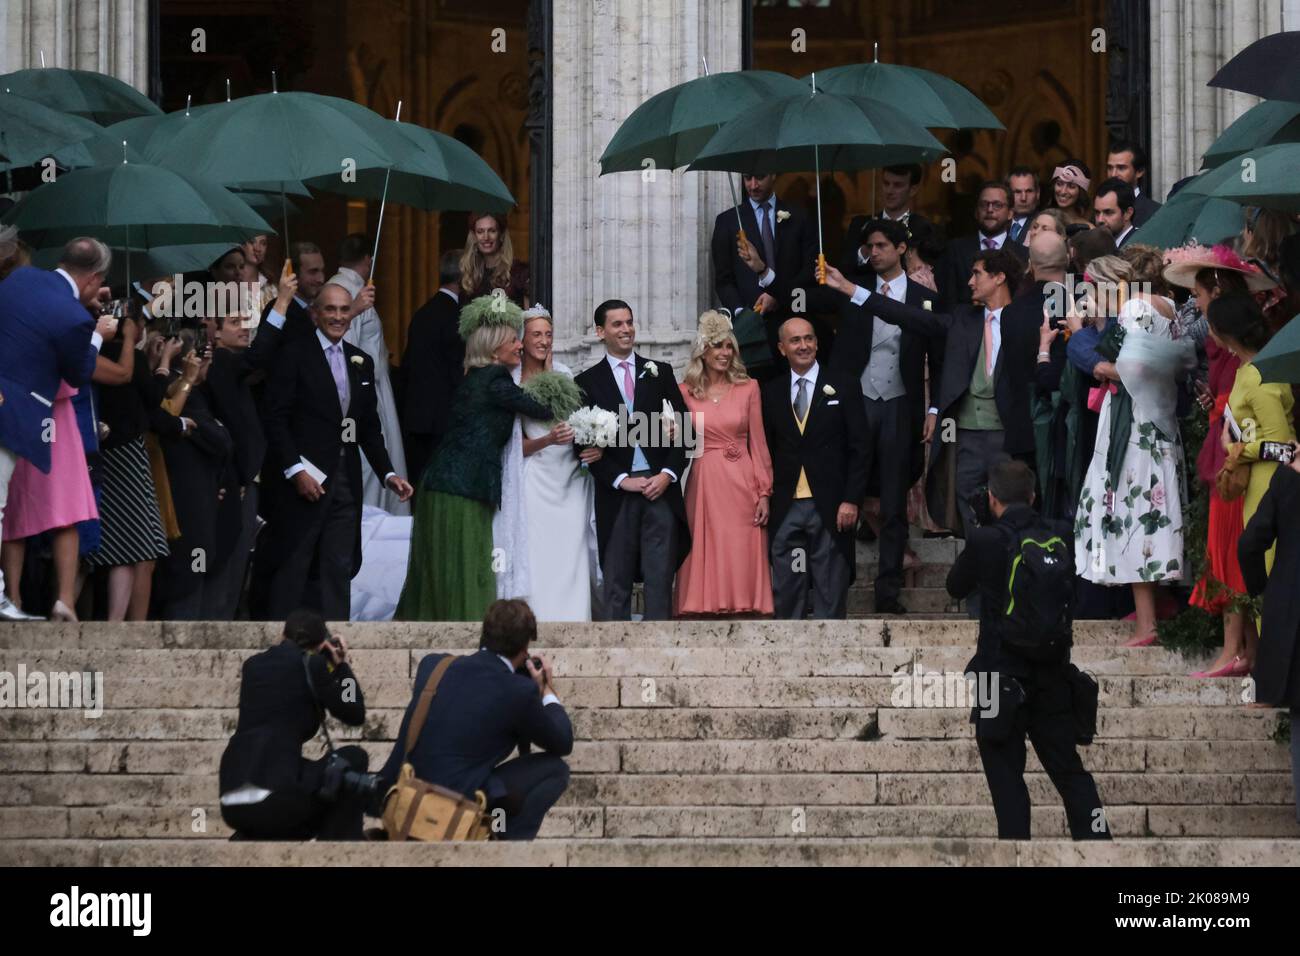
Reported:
(287, 271)
(821, 268)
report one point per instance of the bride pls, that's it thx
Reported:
(556, 495)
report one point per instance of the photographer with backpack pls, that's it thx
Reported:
(1022, 565)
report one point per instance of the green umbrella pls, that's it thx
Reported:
(672, 127)
(1279, 360)
(1189, 217)
(929, 99)
(30, 131)
(1265, 124)
(1268, 176)
(133, 206)
(94, 96)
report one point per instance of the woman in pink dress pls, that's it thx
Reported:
(53, 502)
(728, 485)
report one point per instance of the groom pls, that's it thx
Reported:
(640, 517)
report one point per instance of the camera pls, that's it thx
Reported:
(339, 781)
(979, 504)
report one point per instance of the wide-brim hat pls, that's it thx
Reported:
(1181, 266)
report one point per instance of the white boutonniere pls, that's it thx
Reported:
(827, 391)
(650, 367)
(782, 215)
(926, 305)
(358, 360)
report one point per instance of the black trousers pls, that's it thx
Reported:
(889, 456)
(1046, 717)
(644, 536)
(319, 556)
(526, 788)
(298, 815)
(418, 450)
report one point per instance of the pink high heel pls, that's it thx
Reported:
(1227, 670)
(1143, 641)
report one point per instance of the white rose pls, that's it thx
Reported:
(926, 305)
(782, 215)
(358, 360)
(827, 390)
(652, 369)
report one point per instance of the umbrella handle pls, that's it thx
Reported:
(821, 268)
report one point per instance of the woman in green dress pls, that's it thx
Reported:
(451, 574)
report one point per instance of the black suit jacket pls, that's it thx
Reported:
(302, 418)
(849, 264)
(1277, 519)
(598, 384)
(432, 366)
(831, 450)
(853, 352)
(1144, 207)
(277, 715)
(230, 390)
(481, 712)
(953, 270)
(297, 322)
(736, 284)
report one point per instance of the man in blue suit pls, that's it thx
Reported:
(46, 334)
(483, 707)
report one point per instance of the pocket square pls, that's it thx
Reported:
(833, 401)
(365, 383)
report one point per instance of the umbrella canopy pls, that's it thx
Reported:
(672, 127)
(1268, 177)
(30, 131)
(1279, 360)
(1189, 217)
(1266, 68)
(931, 99)
(1265, 124)
(818, 130)
(94, 96)
(134, 206)
(149, 134)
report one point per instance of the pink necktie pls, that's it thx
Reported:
(884, 290)
(988, 343)
(989, 244)
(629, 386)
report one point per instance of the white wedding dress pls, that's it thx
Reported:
(557, 509)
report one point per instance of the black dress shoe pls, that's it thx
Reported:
(893, 606)
(865, 533)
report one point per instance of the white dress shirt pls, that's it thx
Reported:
(997, 240)
(996, 333)
(811, 376)
(1119, 240)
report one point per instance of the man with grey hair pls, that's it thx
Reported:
(432, 366)
(46, 336)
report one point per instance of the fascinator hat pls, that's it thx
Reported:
(493, 309)
(1182, 264)
(714, 328)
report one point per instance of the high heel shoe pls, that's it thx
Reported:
(1143, 641)
(1229, 669)
(61, 612)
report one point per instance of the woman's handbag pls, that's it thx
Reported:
(1234, 475)
(751, 335)
(415, 810)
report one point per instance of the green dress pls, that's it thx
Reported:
(451, 573)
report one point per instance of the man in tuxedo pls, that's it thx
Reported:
(980, 404)
(306, 263)
(1113, 207)
(817, 434)
(777, 257)
(269, 791)
(432, 366)
(1023, 183)
(898, 188)
(483, 707)
(890, 364)
(993, 214)
(1127, 161)
(640, 515)
(321, 412)
(46, 336)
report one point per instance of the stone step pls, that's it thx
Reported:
(918, 600)
(879, 851)
(691, 822)
(190, 790)
(571, 662)
(746, 723)
(941, 551)
(257, 635)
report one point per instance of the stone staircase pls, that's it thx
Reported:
(698, 743)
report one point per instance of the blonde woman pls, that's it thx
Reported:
(489, 261)
(730, 483)
(450, 575)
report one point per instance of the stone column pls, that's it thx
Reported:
(108, 36)
(1190, 41)
(622, 236)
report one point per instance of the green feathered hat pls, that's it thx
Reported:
(493, 309)
(557, 392)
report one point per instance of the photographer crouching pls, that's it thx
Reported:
(1023, 567)
(269, 791)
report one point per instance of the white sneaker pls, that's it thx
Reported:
(9, 612)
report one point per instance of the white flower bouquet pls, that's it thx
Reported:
(594, 427)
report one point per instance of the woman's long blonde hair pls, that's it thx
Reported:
(472, 264)
(715, 328)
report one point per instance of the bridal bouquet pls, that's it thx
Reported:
(557, 392)
(594, 427)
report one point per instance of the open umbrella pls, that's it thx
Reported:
(1279, 360)
(1268, 176)
(1265, 124)
(814, 131)
(929, 98)
(30, 131)
(1267, 68)
(1189, 217)
(94, 96)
